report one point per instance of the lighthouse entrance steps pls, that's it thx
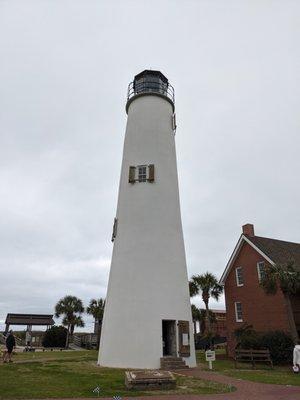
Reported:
(171, 363)
(169, 338)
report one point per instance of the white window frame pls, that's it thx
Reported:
(236, 311)
(138, 173)
(237, 277)
(258, 269)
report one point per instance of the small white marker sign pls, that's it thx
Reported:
(210, 356)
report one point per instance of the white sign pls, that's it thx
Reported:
(185, 339)
(210, 355)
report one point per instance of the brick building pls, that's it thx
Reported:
(246, 301)
(219, 326)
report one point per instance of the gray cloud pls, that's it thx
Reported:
(64, 70)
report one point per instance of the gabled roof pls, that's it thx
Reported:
(272, 250)
(278, 251)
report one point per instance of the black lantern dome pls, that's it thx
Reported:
(150, 82)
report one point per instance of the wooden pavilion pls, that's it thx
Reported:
(29, 320)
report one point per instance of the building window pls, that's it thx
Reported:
(174, 125)
(238, 312)
(142, 173)
(261, 270)
(115, 228)
(239, 276)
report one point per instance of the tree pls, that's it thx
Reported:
(196, 316)
(209, 287)
(203, 318)
(193, 289)
(96, 309)
(199, 315)
(287, 278)
(71, 308)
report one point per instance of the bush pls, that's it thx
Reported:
(279, 343)
(247, 338)
(55, 337)
(251, 341)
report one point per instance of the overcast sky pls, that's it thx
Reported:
(64, 70)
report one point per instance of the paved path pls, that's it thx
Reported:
(246, 390)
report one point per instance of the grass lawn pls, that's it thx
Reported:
(280, 375)
(75, 374)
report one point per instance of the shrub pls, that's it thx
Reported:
(280, 345)
(55, 337)
(251, 341)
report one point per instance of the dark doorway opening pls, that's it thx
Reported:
(169, 338)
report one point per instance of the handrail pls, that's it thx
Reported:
(147, 86)
(17, 339)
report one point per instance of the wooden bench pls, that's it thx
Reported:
(252, 356)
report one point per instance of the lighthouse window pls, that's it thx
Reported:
(142, 173)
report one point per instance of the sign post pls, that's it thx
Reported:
(210, 357)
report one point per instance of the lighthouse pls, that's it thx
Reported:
(147, 318)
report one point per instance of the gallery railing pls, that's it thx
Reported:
(146, 86)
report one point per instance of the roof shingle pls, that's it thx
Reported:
(278, 251)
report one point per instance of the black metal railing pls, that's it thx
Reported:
(146, 86)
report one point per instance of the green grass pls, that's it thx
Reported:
(75, 374)
(280, 375)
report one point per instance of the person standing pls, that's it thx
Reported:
(296, 357)
(10, 345)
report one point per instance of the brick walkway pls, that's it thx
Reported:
(246, 390)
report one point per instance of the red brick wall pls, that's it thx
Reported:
(264, 312)
(219, 326)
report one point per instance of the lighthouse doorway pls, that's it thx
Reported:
(169, 338)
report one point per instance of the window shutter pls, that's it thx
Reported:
(174, 126)
(151, 173)
(114, 234)
(131, 178)
(184, 338)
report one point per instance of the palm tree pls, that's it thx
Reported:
(199, 314)
(78, 322)
(193, 289)
(287, 278)
(70, 307)
(96, 309)
(209, 287)
(196, 316)
(203, 318)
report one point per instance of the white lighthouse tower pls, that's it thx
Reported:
(148, 312)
